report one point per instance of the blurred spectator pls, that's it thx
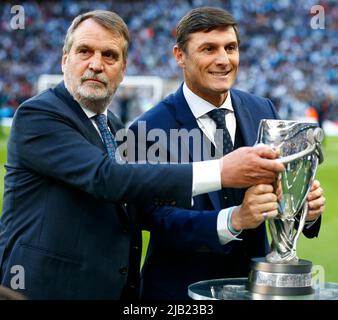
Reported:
(281, 55)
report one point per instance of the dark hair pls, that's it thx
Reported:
(107, 19)
(203, 19)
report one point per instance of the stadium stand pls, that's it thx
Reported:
(282, 56)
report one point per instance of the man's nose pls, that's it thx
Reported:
(222, 57)
(96, 63)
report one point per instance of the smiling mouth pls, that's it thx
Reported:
(220, 73)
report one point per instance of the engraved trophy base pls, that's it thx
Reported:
(282, 279)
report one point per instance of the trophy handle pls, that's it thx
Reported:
(309, 149)
(301, 225)
(314, 140)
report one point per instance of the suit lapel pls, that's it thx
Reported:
(243, 119)
(88, 130)
(85, 125)
(185, 117)
(187, 120)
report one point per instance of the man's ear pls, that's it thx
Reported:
(63, 61)
(179, 56)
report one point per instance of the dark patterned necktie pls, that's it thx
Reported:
(107, 137)
(218, 115)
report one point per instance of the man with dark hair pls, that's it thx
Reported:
(189, 245)
(66, 226)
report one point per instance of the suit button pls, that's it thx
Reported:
(123, 270)
(125, 230)
(135, 247)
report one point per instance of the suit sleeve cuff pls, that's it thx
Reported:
(224, 229)
(309, 224)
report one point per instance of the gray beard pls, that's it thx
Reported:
(95, 104)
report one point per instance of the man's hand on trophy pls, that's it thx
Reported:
(259, 204)
(316, 201)
(248, 166)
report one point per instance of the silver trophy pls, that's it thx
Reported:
(281, 272)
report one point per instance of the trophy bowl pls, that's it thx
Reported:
(281, 272)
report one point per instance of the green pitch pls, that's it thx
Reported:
(4, 132)
(321, 251)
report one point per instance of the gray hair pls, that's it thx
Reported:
(106, 19)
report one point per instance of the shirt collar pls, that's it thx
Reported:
(199, 107)
(90, 113)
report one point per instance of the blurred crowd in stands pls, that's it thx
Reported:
(282, 56)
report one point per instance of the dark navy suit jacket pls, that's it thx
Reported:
(184, 245)
(64, 219)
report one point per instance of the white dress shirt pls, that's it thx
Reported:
(200, 107)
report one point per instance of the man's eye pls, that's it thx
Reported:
(231, 48)
(110, 55)
(208, 49)
(84, 51)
